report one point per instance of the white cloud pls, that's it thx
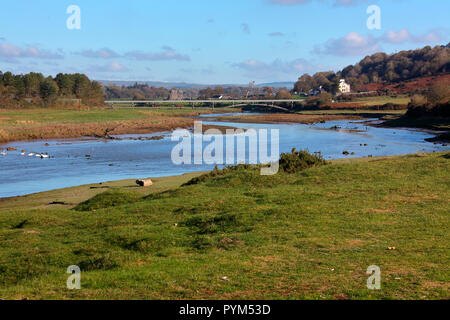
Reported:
(10, 53)
(404, 35)
(276, 34)
(167, 54)
(397, 36)
(276, 70)
(109, 67)
(353, 44)
(103, 53)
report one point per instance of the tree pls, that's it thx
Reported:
(439, 92)
(268, 92)
(324, 98)
(283, 94)
(48, 90)
(66, 83)
(304, 84)
(32, 83)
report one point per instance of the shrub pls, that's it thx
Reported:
(217, 172)
(429, 110)
(418, 100)
(300, 160)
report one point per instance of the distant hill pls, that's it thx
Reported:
(184, 85)
(157, 84)
(286, 84)
(401, 66)
(383, 69)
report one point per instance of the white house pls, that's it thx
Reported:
(344, 87)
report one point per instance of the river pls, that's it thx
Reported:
(75, 162)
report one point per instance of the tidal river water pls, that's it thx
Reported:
(75, 162)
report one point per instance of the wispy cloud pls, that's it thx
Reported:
(355, 44)
(109, 67)
(404, 35)
(276, 70)
(167, 53)
(11, 53)
(103, 53)
(276, 34)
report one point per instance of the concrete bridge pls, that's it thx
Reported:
(272, 104)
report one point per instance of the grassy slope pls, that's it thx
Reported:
(375, 101)
(308, 235)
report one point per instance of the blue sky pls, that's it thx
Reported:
(210, 41)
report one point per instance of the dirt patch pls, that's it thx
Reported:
(31, 232)
(436, 285)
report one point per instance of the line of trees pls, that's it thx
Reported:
(35, 88)
(135, 92)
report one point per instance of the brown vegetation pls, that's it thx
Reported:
(75, 130)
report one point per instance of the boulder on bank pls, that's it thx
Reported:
(144, 183)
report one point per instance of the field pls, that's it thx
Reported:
(238, 235)
(381, 100)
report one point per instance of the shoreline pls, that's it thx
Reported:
(131, 183)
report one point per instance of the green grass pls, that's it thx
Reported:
(306, 235)
(381, 100)
(58, 116)
(362, 112)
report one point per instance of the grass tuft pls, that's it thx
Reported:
(108, 199)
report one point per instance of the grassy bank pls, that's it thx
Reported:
(305, 235)
(431, 123)
(380, 100)
(290, 118)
